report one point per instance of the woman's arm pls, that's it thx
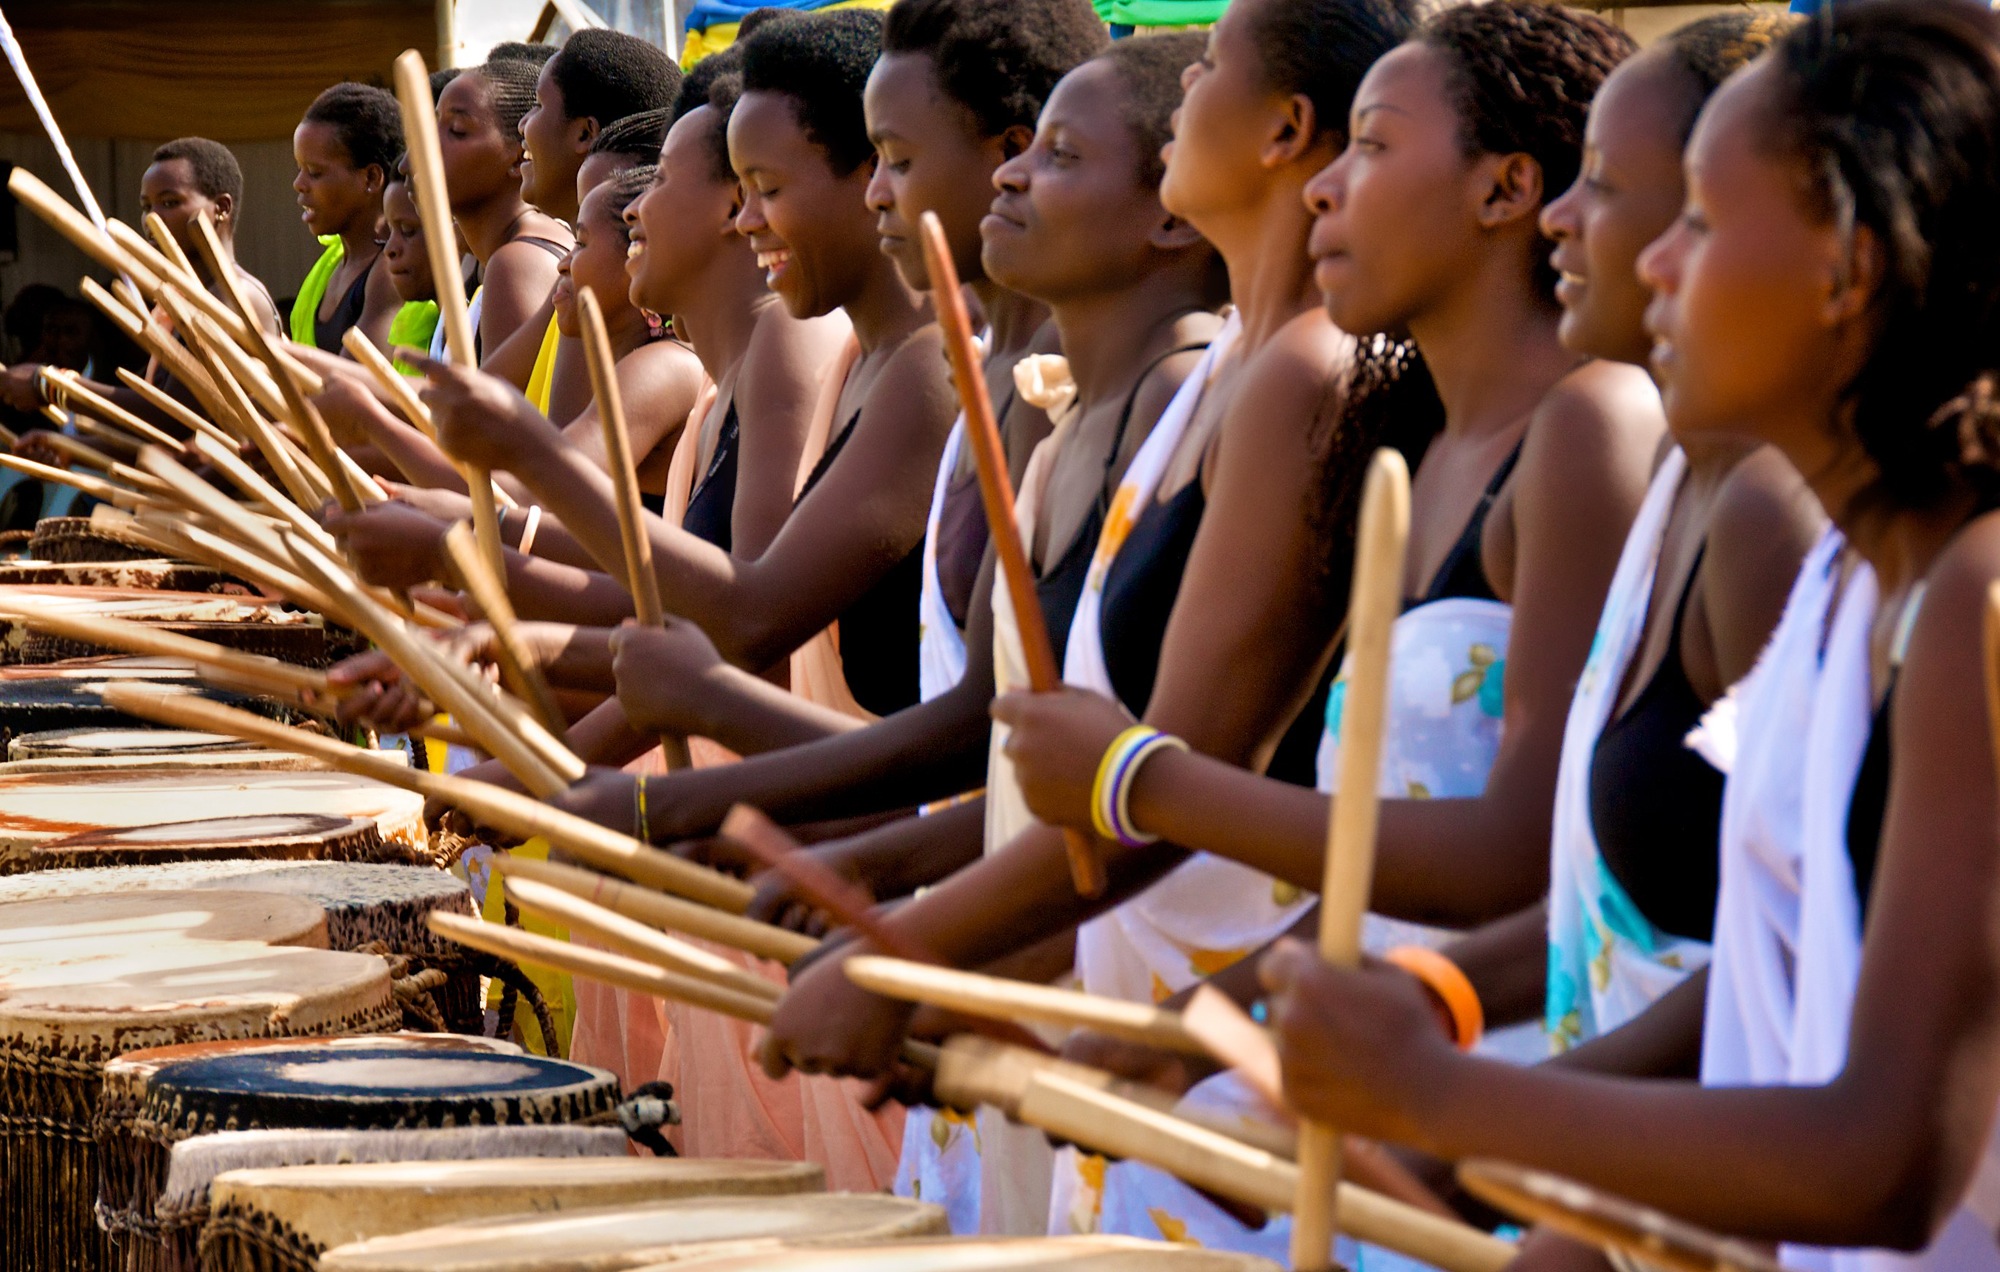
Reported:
(513, 359)
(519, 277)
(658, 385)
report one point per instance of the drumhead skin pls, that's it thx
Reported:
(108, 747)
(379, 1088)
(67, 929)
(606, 1238)
(69, 694)
(983, 1254)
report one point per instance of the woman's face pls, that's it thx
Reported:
(683, 220)
(1397, 214)
(548, 152)
(168, 190)
(1072, 217)
(479, 161)
(930, 158)
(333, 194)
(1750, 318)
(1225, 105)
(810, 226)
(1626, 195)
(404, 252)
(597, 262)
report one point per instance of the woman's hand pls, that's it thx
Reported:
(661, 674)
(1058, 739)
(1361, 1049)
(779, 901)
(347, 406)
(382, 698)
(1169, 1071)
(34, 445)
(481, 419)
(605, 796)
(827, 1024)
(391, 544)
(446, 505)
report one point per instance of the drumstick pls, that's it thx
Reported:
(110, 412)
(774, 849)
(1002, 999)
(1207, 1159)
(982, 433)
(65, 220)
(1373, 604)
(227, 461)
(659, 910)
(420, 133)
(1609, 1223)
(165, 273)
(95, 487)
(635, 939)
(305, 417)
(1226, 1032)
(392, 382)
(163, 239)
(83, 453)
(176, 537)
(179, 363)
(637, 565)
(517, 663)
(156, 641)
(470, 706)
(165, 402)
(507, 811)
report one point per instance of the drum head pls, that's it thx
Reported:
(93, 926)
(597, 1239)
(984, 1254)
(112, 742)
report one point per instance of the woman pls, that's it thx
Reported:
(346, 148)
(517, 247)
(1847, 229)
(597, 77)
(409, 266)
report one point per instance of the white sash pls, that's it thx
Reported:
(940, 644)
(1607, 963)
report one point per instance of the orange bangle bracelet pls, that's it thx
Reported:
(1445, 980)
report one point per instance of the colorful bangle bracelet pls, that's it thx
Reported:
(1102, 809)
(1122, 781)
(1449, 984)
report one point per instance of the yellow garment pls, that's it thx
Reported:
(544, 373)
(557, 990)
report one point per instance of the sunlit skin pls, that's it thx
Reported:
(808, 259)
(338, 198)
(483, 183)
(1763, 313)
(404, 253)
(553, 146)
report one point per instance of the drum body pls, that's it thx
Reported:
(251, 624)
(135, 1173)
(147, 812)
(68, 750)
(150, 574)
(79, 539)
(60, 1025)
(983, 1254)
(281, 1220)
(269, 836)
(69, 694)
(611, 1238)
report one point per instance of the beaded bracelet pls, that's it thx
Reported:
(642, 828)
(528, 529)
(1449, 984)
(1111, 793)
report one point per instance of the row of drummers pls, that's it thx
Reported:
(230, 1040)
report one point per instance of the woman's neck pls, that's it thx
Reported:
(488, 225)
(1107, 337)
(1264, 248)
(1491, 347)
(1011, 319)
(626, 326)
(721, 323)
(358, 241)
(885, 312)
(1898, 543)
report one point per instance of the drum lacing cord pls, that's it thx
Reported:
(645, 1111)
(413, 987)
(516, 985)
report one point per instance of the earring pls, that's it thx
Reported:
(656, 326)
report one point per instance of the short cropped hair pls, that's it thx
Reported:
(606, 75)
(214, 168)
(366, 119)
(998, 60)
(821, 61)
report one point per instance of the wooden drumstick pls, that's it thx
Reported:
(1001, 999)
(1373, 605)
(178, 362)
(164, 273)
(37, 197)
(637, 567)
(166, 403)
(1610, 1223)
(393, 383)
(517, 663)
(507, 811)
(156, 641)
(420, 135)
(635, 939)
(95, 487)
(81, 452)
(658, 910)
(763, 839)
(996, 492)
(163, 239)
(1210, 1160)
(82, 396)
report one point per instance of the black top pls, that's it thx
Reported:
(1141, 587)
(878, 629)
(1870, 801)
(710, 509)
(1462, 573)
(327, 332)
(1656, 805)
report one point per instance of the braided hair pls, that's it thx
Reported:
(1890, 110)
(1522, 74)
(510, 90)
(1710, 50)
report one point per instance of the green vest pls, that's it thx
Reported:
(313, 290)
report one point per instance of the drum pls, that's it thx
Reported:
(60, 1025)
(135, 1174)
(267, 836)
(154, 574)
(283, 1219)
(604, 1238)
(41, 808)
(252, 624)
(65, 539)
(982, 1254)
(378, 909)
(67, 750)
(69, 695)
(77, 929)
